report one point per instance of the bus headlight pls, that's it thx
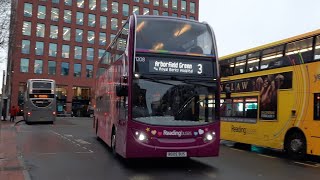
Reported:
(140, 136)
(210, 136)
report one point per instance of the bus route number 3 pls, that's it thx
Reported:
(199, 69)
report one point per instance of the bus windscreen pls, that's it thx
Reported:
(41, 85)
(176, 36)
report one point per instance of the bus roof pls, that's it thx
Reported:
(41, 80)
(269, 45)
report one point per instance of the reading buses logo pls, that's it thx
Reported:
(242, 130)
(176, 133)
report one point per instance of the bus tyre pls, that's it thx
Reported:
(113, 143)
(97, 136)
(296, 146)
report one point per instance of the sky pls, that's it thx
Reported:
(244, 24)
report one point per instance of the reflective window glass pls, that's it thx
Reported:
(25, 47)
(38, 66)
(90, 54)
(26, 29)
(40, 30)
(125, 9)
(104, 5)
(79, 17)
(78, 52)
(55, 14)
(52, 49)
(175, 4)
(68, 2)
(102, 38)
(52, 67)
(24, 65)
(92, 4)
(80, 3)
(65, 51)
(77, 70)
(64, 69)
(39, 48)
(155, 2)
(67, 16)
(115, 6)
(146, 11)
(66, 33)
(92, 20)
(53, 32)
(103, 22)
(114, 24)
(27, 10)
(79, 34)
(135, 9)
(41, 12)
(192, 7)
(91, 37)
(165, 3)
(89, 71)
(183, 6)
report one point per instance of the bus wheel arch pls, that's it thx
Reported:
(295, 143)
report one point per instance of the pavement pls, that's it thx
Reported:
(11, 166)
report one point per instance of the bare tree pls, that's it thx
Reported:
(4, 23)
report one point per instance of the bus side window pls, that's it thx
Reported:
(317, 106)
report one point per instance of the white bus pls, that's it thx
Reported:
(40, 101)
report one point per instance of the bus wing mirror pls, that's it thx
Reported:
(121, 90)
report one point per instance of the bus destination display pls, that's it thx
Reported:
(174, 66)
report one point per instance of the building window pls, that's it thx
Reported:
(39, 48)
(174, 15)
(26, 29)
(77, 70)
(125, 9)
(89, 71)
(114, 24)
(27, 10)
(78, 52)
(79, 34)
(146, 1)
(25, 47)
(79, 17)
(192, 7)
(92, 4)
(164, 13)
(52, 49)
(64, 69)
(155, 2)
(104, 5)
(80, 3)
(24, 65)
(92, 20)
(41, 12)
(68, 2)
(65, 51)
(101, 52)
(165, 3)
(155, 12)
(103, 22)
(112, 36)
(67, 16)
(135, 9)
(175, 4)
(90, 37)
(38, 66)
(136, 0)
(115, 7)
(66, 33)
(55, 14)
(183, 16)
(183, 6)
(90, 54)
(146, 11)
(191, 17)
(52, 67)
(102, 39)
(40, 30)
(55, 1)
(53, 32)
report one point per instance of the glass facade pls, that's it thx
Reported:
(66, 33)
(25, 47)
(78, 52)
(64, 69)
(77, 70)
(52, 67)
(41, 12)
(90, 54)
(26, 29)
(39, 48)
(38, 66)
(24, 65)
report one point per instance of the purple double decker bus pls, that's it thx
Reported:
(157, 89)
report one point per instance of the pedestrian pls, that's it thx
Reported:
(4, 113)
(13, 113)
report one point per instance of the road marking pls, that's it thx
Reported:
(47, 153)
(237, 149)
(263, 155)
(305, 164)
(82, 141)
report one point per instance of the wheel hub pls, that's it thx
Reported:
(296, 145)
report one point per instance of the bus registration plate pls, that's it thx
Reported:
(176, 154)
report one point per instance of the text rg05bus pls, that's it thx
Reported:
(158, 90)
(275, 95)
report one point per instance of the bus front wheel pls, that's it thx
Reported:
(295, 146)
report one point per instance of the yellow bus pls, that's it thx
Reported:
(271, 95)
